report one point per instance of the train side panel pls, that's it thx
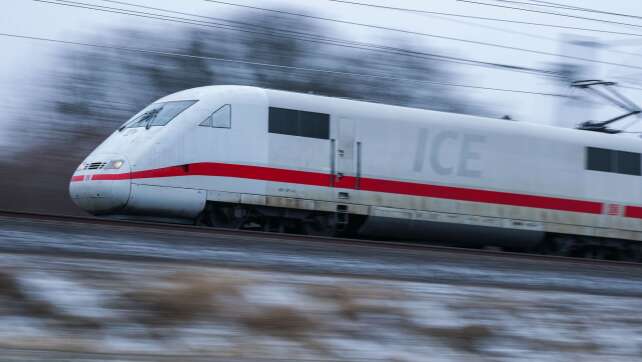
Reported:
(525, 165)
(412, 173)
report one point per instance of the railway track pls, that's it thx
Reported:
(24, 354)
(418, 246)
(503, 292)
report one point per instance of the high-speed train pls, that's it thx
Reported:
(253, 158)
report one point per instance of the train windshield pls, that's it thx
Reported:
(157, 114)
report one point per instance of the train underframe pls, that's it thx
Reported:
(342, 224)
(275, 219)
(590, 247)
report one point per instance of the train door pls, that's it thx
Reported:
(346, 173)
(347, 154)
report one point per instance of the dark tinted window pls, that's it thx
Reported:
(599, 159)
(299, 123)
(316, 125)
(283, 121)
(628, 163)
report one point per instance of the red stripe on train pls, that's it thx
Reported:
(111, 176)
(485, 196)
(633, 211)
(368, 184)
(239, 171)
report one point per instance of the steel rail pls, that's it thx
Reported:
(59, 354)
(298, 237)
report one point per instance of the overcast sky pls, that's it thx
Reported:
(21, 59)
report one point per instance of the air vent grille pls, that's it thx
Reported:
(95, 165)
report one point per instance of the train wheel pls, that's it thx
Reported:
(590, 252)
(319, 225)
(548, 246)
(222, 217)
(274, 224)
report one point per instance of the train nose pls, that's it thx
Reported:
(101, 186)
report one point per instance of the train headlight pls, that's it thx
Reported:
(115, 164)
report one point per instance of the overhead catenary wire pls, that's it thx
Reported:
(308, 37)
(546, 5)
(569, 7)
(421, 11)
(214, 25)
(550, 13)
(436, 36)
(270, 65)
(516, 68)
(505, 30)
(449, 17)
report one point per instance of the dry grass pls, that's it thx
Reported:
(468, 338)
(182, 299)
(352, 312)
(352, 304)
(280, 322)
(355, 303)
(539, 344)
(11, 289)
(288, 323)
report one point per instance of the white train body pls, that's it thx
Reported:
(402, 172)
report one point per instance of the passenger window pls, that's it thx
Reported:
(221, 118)
(599, 159)
(299, 123)
(628, 163)
(283, 121)
(315, 125)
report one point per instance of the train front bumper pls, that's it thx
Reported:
(101, 186)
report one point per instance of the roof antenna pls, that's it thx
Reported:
(606, 91)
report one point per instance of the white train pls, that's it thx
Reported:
(247, 157)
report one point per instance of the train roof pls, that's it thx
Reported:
(350, 107)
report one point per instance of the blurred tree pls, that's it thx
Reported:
(90, 91)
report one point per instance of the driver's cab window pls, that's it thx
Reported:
(221, 118)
